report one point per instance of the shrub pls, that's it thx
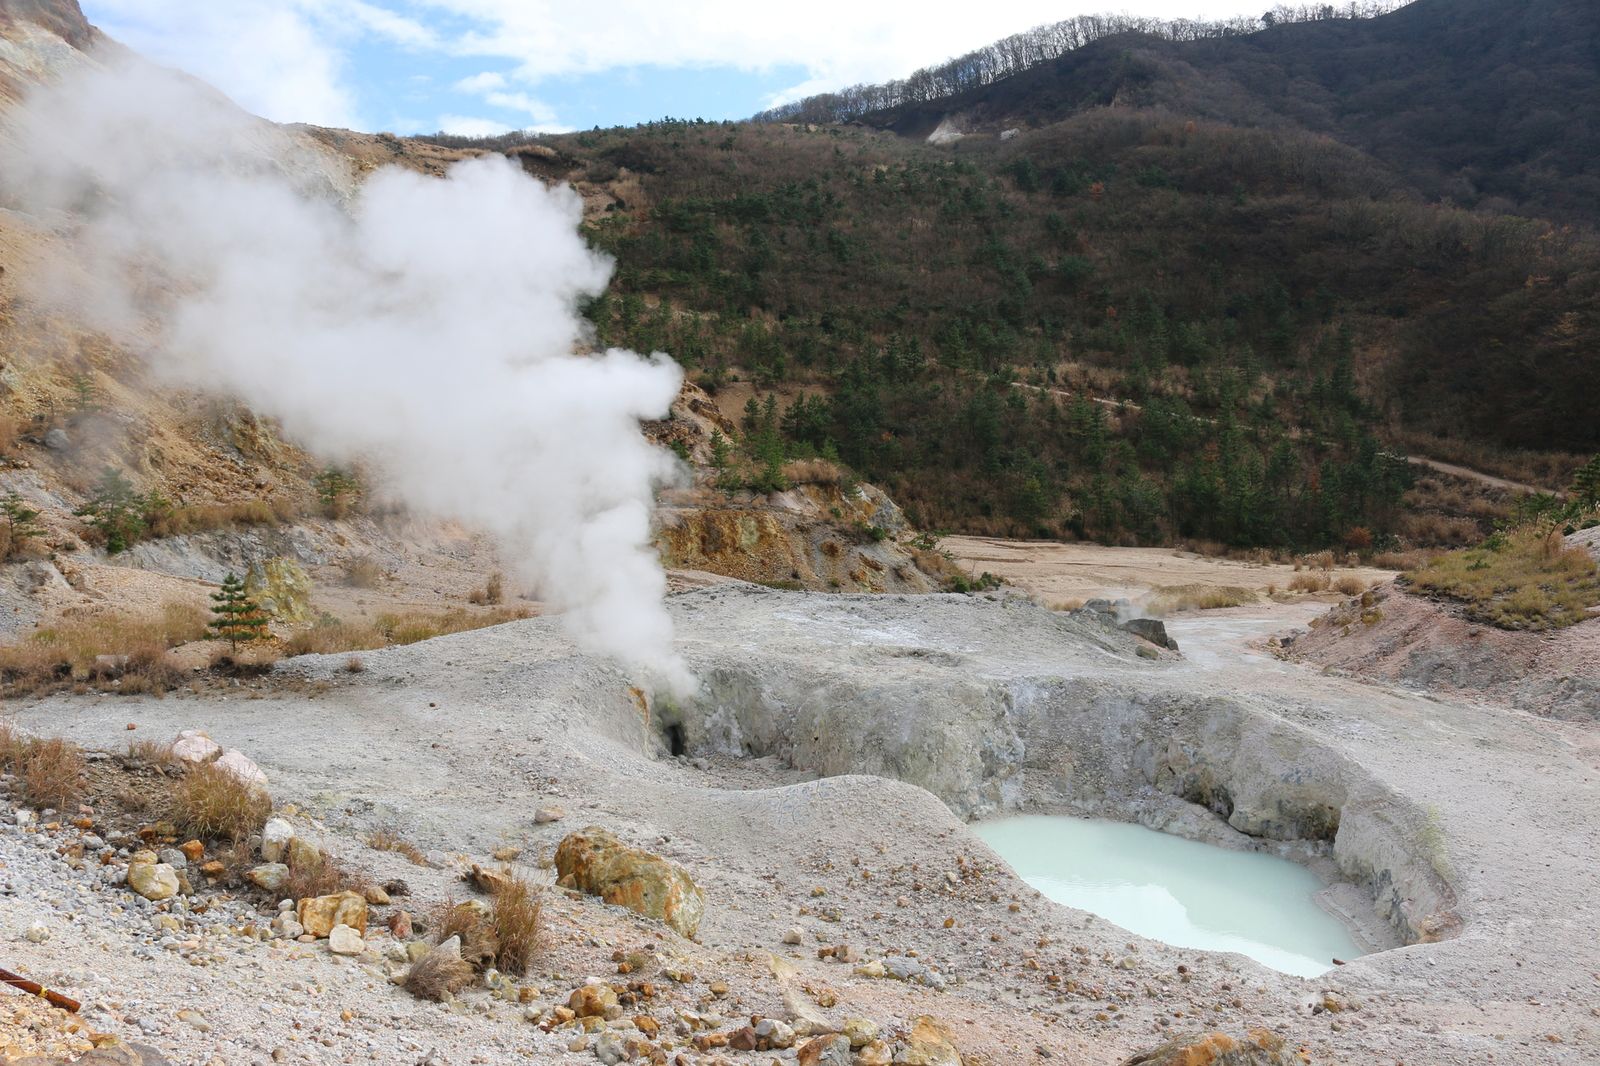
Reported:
(1199, 598)
(201, 517)
(1313, 581)
(338, 490)
(474, 924)
(211, 803)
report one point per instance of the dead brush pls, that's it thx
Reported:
(53, 773)
(363, 572)
(474, 924)
(1309, 581)
(437, 974)
(211, 803)
(514, 912)
(386, 838)
(323, 875)
(153, 754)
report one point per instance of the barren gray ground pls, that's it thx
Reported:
(1473, 823)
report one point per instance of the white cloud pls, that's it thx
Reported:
(276, 59)
(836, 41)
(488, 81)
(289, 59)
(470, 126)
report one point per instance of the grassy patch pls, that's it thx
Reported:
(1526, 579)
(385, 838)
(123, 652)
(1171, 598)
(334, 636)
(514, 912)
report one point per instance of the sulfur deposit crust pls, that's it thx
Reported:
(1472, 830)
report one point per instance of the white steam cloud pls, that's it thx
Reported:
(427, 327)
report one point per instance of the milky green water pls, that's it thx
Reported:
(1178, 891)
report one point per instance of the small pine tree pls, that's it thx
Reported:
(1586, 484)
(21, 523)
(116, 510)
(235, 616)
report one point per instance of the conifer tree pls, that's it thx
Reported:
(1586, 483)
(21, 523)
(235, 616)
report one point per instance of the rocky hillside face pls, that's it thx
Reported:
(75, 403)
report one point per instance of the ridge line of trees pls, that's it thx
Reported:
(1030, 48)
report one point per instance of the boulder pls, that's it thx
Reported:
(343, 940)
(193, 745)
(151, 879)
(241, 766)
(592, 1001)
(1259, 1048)
(302, 854)
(319, 914)
(828, 1050)
(1151, 629)
(275, 837)
(593, 860)
(269, 876)
(930, 1044)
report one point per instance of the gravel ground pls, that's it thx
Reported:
(457, 741)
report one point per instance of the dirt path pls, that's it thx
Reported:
(1476, 475)
(1055, 572)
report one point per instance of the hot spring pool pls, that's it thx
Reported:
(1178, 891)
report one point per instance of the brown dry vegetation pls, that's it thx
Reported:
(203, 517)
(1526, 579)
(514, 912)
(386, 838)
(437, 975)
(51, 770)
(323, 875)
(331, 638)
(211, 803)
(66, 652)
(1199, 598)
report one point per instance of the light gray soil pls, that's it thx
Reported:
(1475, 824)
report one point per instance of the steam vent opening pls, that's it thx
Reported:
(675, 739)
(1178, 891)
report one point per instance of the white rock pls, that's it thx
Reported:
(343, 940)
(239, 765)
(286, 926)
(153, 880)
(24, 818)
(546, 815)
(193, 745)
(37, 933)
(275, 837)
(793, 936)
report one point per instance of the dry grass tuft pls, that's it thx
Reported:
(1349, 585)
(363, 572)
(1527, 579)
(492, 593)
(438, 974)
(322, 876)
(153, 753)
(385, 838)
(211, 803)
(514, 911)
(473, 923)
(1310, 581)
(52, 773)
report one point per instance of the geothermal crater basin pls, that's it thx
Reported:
(1181, 892)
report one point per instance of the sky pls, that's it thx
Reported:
(481, 67)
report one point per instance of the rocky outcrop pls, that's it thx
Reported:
(593, 860)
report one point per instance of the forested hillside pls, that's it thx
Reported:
(1144, 316)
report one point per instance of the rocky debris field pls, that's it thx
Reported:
(854, 912)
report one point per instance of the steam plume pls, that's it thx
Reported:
(426, 327)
